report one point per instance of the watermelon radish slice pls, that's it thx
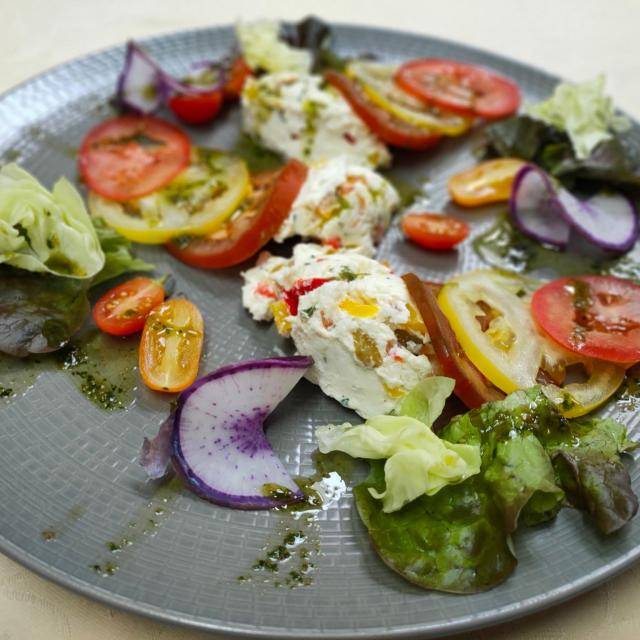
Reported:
(219, 444)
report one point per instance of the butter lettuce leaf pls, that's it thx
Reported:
(417, 461)
(584, 112)
(262, 48)
(117, 253)
(46, 231)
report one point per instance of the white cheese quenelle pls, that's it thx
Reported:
(296, 115)
(360, 326)
(341, 204)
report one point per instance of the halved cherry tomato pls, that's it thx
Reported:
(595, 316)
(238, 74)
(459, 87)
(472, 387)
(434, 231)
(383, 124)
(123, 310)
(196, 108)
(131, 156)
(490, 181)
(171, 344)
(259, 218)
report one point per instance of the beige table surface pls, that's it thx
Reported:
(572, 38)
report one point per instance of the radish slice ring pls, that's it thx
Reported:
(219, 444)
(535, 208)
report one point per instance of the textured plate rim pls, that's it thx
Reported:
(467, 623)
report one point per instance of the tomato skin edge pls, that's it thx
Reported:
(276, 208)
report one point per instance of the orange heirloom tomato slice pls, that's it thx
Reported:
(488, 182)
(171, 345)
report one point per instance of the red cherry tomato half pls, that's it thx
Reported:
(237, 76)
(463, 88)
(382, 123)
(196, 108)
(471, 386)
(258, 220)
(123, 310)
(131, 156)
(595, 316)
(434, 231)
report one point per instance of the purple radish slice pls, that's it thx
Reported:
(138, 84)
(219, 444)
(535, 209)
(608, 220)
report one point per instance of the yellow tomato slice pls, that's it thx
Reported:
(579, 398)
(377, 82)
(488, 182)
(171, 345)
(489, 311)
(508, 351)
(196, 202)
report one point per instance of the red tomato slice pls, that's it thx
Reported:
(236, 78)
(459, 87)
(472, 387)
(123, 310)
(262, 214)
(196, 108)
(595, 316)
(131, 156)
(434, 231)
(382, 123)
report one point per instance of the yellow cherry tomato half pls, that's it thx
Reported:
(171, 345)
(488, 182)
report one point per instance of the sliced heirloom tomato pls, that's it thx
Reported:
(594, 316)
(171, 344)
(488, 182)
(381, 122)
(489, 312)
(463, 88)
(472, 388)
(251, 227)
(123, 310)
(200, 199)
(196, 108)
(377, 82)
(434, 231)
(131, 156)
(236, 77)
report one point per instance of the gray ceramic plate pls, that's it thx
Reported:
(69, 467)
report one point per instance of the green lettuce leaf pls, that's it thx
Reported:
(46, 231)
(453, 541)
(39, 312)
(117, 253)
(425, 402)
(584, 112)
(523, 482)
(417, 461)
(585, 455)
